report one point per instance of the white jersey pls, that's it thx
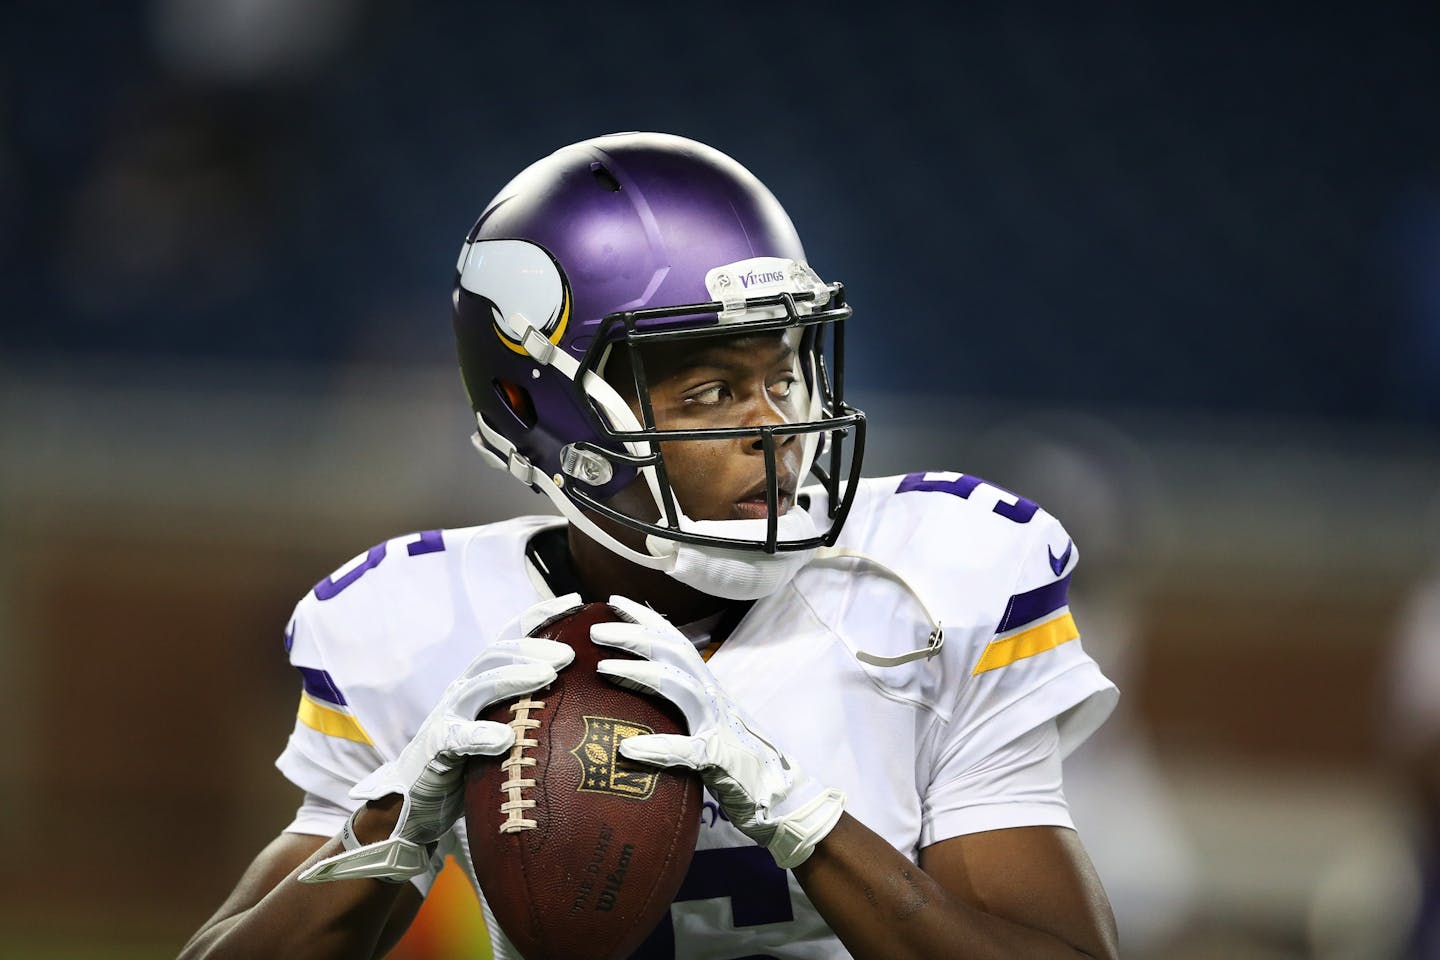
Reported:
(914, 747)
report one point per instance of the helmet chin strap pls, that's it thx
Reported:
(509, 459)
(737, 574)
(732, 574)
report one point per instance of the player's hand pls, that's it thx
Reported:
(766, 795)
(429, 772)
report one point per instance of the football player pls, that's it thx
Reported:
(880, 676)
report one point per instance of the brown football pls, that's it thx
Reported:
(579, 851)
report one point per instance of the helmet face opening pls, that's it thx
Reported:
(825, 429)
(647, 241)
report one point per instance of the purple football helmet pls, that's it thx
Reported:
(641, 238)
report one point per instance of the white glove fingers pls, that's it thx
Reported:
(630, 637)
(636, 612)
(665, 750)
(521, 650)
(547, 610)
(664, 680)
(673, 647)
(554, 654)
(474, 694)
(469, 738)
(645, 676)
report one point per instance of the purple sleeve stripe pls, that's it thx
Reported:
(1034, 604)
(319, 685)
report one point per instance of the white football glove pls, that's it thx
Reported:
(429, 772)
(763, 793)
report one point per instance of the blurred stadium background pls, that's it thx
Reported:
(1173, 272)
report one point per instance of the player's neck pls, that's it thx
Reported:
(603, 573)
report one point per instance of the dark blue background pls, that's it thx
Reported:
(1207, 209)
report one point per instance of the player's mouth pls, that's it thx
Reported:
(752, 505)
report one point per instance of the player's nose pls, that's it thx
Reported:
(774, 418)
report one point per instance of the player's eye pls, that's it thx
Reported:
(708, 395)
(783, 387)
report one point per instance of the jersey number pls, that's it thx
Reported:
(758, 891)
(428, 541)
(962, 485)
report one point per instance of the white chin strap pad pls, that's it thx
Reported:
(736, 574)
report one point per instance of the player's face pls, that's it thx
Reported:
(746, 381)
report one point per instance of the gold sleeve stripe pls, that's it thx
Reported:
(1027, 643)
(331, 722)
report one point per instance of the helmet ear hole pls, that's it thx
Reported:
(517, 400)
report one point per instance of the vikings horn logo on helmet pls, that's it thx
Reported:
(523, 285)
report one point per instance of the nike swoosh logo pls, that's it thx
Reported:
(1058, 563)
